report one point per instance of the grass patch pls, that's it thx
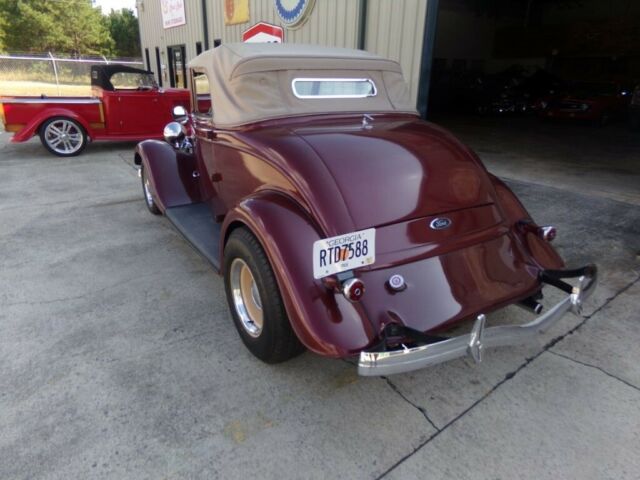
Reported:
(26, 88)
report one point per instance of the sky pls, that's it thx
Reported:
(108, 5)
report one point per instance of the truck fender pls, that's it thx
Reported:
(541, 251)
(324, 321)
(170, 172)
(31, 128)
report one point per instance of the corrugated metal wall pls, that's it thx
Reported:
(394, 28)
(152, 33)
(332, 23)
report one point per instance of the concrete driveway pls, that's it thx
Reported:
(118, 357)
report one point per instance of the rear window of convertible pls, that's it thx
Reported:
(333, 87)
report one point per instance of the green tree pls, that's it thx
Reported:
(3, 26)
(123, 26)
(69, 26)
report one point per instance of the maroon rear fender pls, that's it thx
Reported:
(513, 210)
(324, 321)
(170, 173)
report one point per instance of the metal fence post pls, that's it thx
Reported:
(55, 71)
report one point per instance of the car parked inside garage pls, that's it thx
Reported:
(341, 221)
(597, 102)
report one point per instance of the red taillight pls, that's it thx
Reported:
(353, 289)
(547, 233)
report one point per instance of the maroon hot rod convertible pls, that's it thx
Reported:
(341, 221)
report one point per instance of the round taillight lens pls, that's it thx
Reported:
(548, 233)
(353, 289)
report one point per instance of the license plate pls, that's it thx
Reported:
(344, 252)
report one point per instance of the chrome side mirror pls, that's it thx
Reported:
(173, 133)
(179, 114)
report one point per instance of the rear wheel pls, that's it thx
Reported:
(63, 136)
(255, 301)
(147, 190)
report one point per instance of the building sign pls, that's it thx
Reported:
(236, 11)
(293, 13)
(263, 33)
(173, 13)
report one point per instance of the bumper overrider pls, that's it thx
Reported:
(405, 359)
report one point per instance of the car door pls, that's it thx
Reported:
(204, 147)
(135, 110)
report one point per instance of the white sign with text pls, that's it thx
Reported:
(173, 13)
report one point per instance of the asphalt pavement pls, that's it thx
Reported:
(118, 357)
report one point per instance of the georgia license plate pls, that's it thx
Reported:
(344, 252)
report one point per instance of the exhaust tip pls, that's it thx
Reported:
(531, 305)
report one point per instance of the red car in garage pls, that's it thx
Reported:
(341, 221)
(597, 102)
(126, 104)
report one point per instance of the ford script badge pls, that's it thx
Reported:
(440, 223)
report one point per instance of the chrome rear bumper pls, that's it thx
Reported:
(473, 344)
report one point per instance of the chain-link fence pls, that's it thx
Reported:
(46, 74)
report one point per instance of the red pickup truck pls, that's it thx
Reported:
(126, 104)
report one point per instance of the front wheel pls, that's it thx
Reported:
(147, 191)
(63, 137)
(255, 301)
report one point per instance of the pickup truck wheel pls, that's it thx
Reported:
(63, 137)
(255, 301)
(149, 198)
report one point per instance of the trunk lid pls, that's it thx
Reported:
(396, 170)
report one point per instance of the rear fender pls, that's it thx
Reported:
(324, 321)
(170, 172)
(32, 128)
(540, 250)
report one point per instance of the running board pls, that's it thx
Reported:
(195, 222)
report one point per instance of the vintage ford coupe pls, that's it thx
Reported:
(340, 220)
(126, 104)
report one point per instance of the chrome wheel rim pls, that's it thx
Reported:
(146, 186)
(64, 137)
(246, 298)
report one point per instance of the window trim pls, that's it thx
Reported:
(325, 79)
(194, 94)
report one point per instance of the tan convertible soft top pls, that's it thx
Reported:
(251, 82)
